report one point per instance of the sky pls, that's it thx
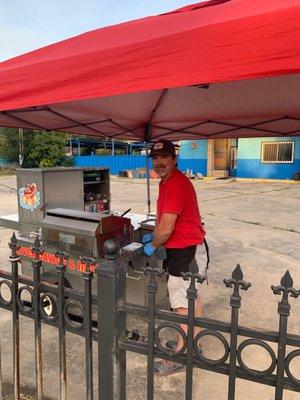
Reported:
(26, 25)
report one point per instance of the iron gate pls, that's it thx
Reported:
(114, 341)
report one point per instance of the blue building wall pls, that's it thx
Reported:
(115, 163)
(193, 155)
(193, 149)
(119, 163)
(250, 166)
(194, 165)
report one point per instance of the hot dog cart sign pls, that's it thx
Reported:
(29, 197)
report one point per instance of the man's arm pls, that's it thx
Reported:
(164, 229)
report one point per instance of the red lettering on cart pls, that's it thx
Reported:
(53, 259)
(81, 267)
(92, 268)
(25, 251)
(72, 264)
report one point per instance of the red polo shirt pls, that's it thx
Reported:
(177, 196)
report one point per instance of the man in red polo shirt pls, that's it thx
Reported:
(179, 229)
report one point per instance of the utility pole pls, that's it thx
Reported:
(21, 146)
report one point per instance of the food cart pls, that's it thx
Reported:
(77, 221)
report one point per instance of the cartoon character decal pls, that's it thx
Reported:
(29, 197)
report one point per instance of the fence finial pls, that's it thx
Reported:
(13, 239)
(286, 287)
(90, 264)
(13, 246)
(189, 276)
(236, 280)
(62, 259)
(36, 249)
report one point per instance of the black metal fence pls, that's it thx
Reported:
(111, 333)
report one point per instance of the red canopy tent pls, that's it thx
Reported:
(221, 68)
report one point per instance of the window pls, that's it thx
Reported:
(277, 152)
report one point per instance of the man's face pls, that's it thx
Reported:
(164, 165)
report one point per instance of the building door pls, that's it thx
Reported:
(222, 157)
(219, 158)
(220, 154)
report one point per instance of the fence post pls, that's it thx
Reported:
(236, 282)
(90, 263)
(36, 265)
(152, 290)
(286, 289)
(61, 269)
(14, 259)
(192, 295)
(111, 324)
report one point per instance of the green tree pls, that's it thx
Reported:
(9, 143)
(41, 148)
(47, 149)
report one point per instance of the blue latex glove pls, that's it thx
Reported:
(149, 249)
(147, 238)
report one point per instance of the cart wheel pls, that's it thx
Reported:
(49, 306)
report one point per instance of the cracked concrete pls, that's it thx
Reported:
(254, 224)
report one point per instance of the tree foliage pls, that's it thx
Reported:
(47, 149)
(41, 148)
(9, 143)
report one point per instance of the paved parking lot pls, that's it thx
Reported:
(254, 224)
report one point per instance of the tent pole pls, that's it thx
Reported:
(148, 178)
(147, 136)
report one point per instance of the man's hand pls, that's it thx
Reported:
(147, 238)
(149, 249)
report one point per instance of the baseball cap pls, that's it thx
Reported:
(162, 147)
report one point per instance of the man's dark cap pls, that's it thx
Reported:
(162, 147)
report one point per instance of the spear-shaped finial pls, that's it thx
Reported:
(286, 287)
(236, 280)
